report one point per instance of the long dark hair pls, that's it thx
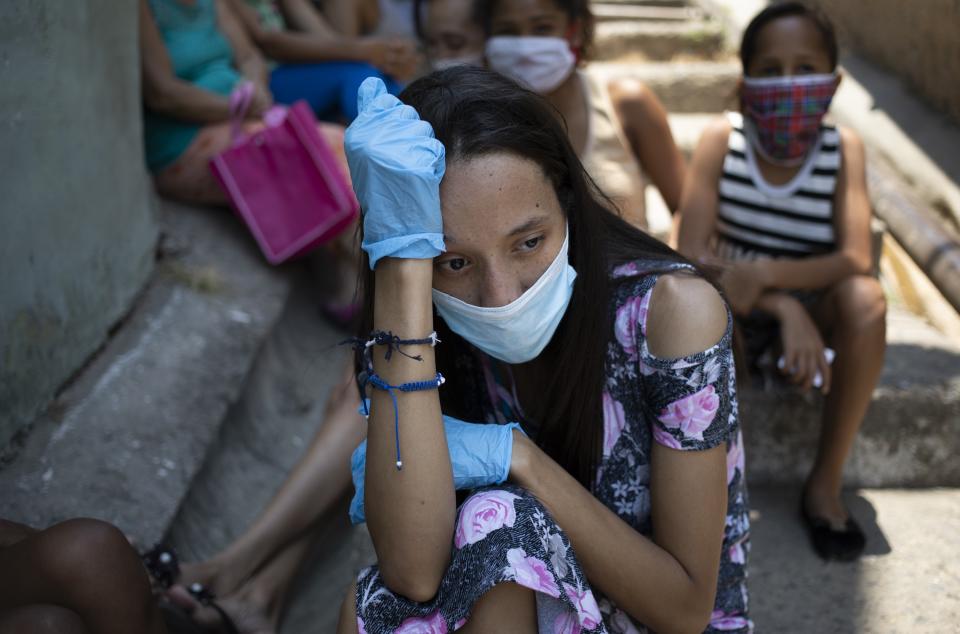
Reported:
(474, 113)
(748, 45)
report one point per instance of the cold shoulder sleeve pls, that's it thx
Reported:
(691, 401)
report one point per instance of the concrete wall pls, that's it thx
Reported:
(77, 231)
(919, 40)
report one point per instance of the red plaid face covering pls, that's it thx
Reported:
(783, 114)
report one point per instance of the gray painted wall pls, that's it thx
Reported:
(77, 231)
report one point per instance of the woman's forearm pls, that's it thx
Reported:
(810, 273)
(654, 587)
(410, 512)
(182, 100)
(294, 47)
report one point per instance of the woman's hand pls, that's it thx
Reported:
(395, 56)
(803, 348)
(743, 283)
(396, 165)
(260, 102)
(480, 455)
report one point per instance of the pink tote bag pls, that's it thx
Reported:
(284, 180)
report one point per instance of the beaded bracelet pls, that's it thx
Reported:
(413, 386)
(393, 343)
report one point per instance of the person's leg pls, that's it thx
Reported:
(320, 478)
(85, 566)
(257, 605)
(854, 314)
(329, 87)
(348, 612)
(41, 619)
(507, 608)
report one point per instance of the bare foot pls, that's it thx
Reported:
(249, 612)
(218, 574)
(824, 502)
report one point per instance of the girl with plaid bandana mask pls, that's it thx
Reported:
(778, 199)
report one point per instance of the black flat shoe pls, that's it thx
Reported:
(163, 565)
(831, 544)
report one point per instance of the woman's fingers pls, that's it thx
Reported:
(825, 372)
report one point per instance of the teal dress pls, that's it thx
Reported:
(201, 56)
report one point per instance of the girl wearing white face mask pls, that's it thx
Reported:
(621, 505)
(618, 128)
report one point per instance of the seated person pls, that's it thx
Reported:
(622, 504)
(449, 32)
(80, 576)
(779, 199)
(316, 63)
(618, 128)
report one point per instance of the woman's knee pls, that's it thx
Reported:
(860, 302)
(41, 619)
(348, 623)
(504, 607)
(88, 554)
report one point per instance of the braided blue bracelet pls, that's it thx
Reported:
(413, 386)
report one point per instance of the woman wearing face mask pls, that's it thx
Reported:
(449, 32)
(780, 200)
(611, 494)
(619, 128)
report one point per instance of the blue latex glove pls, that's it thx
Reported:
(480, 455)
(396, 165)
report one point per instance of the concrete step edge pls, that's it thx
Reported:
(125, 440)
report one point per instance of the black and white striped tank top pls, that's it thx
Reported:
(755, 218)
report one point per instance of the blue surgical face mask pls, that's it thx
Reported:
(519, 331)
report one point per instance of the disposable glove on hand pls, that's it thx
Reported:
(480, 455)
(396, 165)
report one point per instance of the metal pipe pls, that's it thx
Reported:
(921, 233)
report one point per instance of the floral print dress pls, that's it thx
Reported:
(503, 534)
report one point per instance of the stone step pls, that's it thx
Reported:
(263, 435)
(658, 40)
(909, 436)
(123, 442)
(905, 582)
(682, 87)
(608, 11)
(674, 4)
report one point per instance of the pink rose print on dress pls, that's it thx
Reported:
(530, 572)
(632, 314)
(626, 270)
(665, 438)
(735, 458)
(737, 555)
(433, 624)
(588, 611)
(726, 622)
(620, 623)
(459, 624)
(360, 628)
(692, 414)
(566, 623)
(484, 513)
(613, 422)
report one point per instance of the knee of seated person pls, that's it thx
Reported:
(83, 546)
(41, 619)
(860, 301)
(348, 612)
